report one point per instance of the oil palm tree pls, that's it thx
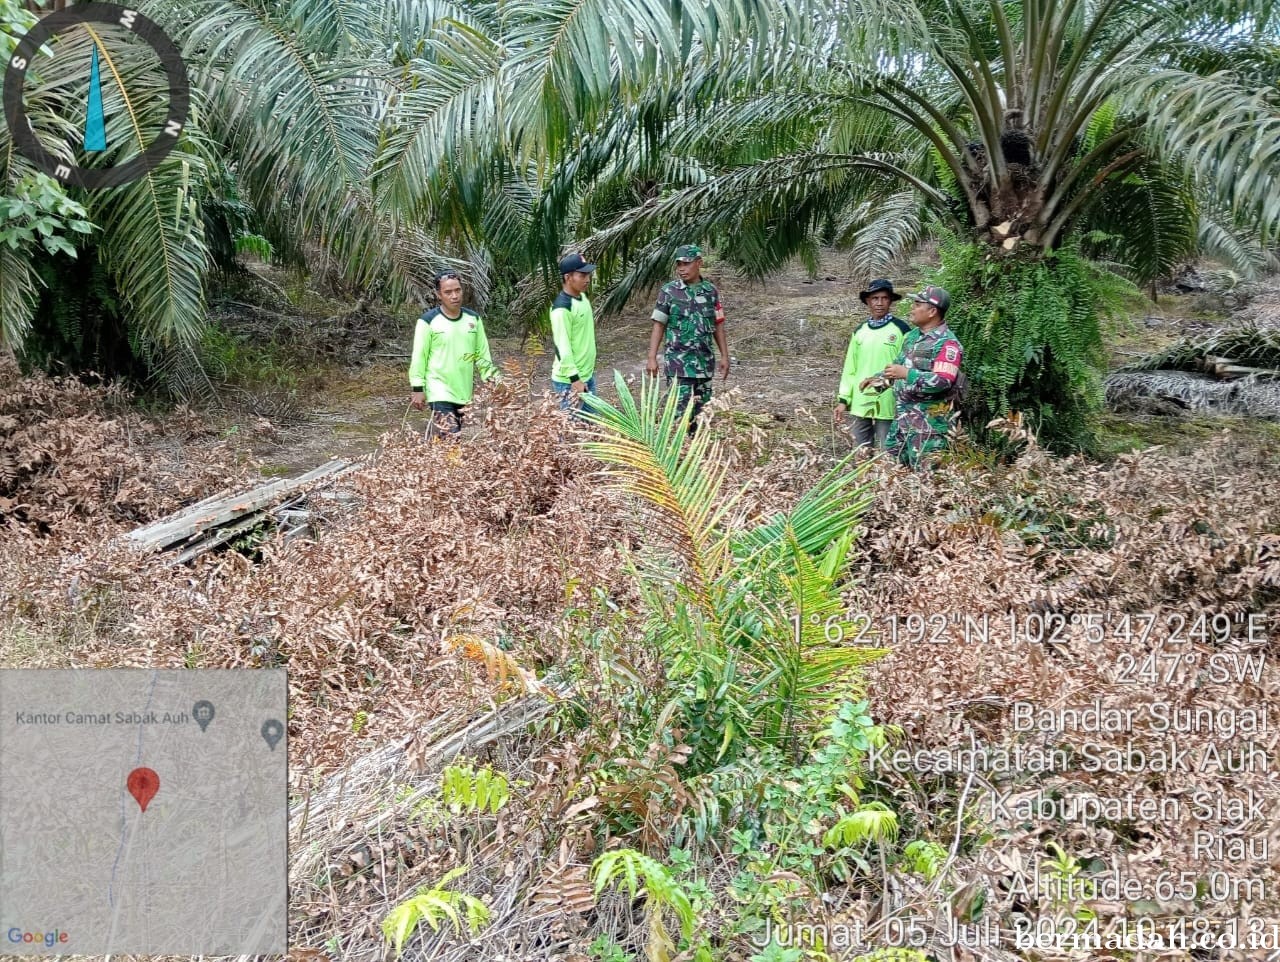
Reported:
(1033, 135)
(390, 136)
(287, 98)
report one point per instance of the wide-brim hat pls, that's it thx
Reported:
(880, 284)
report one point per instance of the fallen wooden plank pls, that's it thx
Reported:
(298, 523)
(213, 513)
(220, 537)
(1227, 368)
(195, 520)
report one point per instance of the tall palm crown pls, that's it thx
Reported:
(393, 135)
(1146, 129)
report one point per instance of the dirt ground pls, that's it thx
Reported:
(787, 339)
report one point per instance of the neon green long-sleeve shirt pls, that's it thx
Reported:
(446, 353)
(873, 346)
(573, 332)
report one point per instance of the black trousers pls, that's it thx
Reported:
(446, 418)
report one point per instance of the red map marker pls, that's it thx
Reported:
(143, 784)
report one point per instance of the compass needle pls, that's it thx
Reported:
(95, 124)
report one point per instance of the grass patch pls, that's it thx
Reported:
(1120, 434)
(21, 647)
(245, 363)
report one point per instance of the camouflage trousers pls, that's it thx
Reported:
(691, 390)
(918, 432)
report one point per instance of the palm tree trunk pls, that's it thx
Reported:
(9, 370)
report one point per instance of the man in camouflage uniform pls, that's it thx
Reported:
(926, 381)
(690, 319)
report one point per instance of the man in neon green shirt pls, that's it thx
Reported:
(449, 343)
(874, 345)
(573, 332)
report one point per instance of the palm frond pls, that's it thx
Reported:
(569, 57)
(826, 513)
(809, 665)
(1225, 135)
(299, 107)
(895, 227)
(406, 25)
(18, 293)
(648, 455)
(337, 29)
(1218, 236)
(1148, 219)
(179, 371)
(153, 245)
(446, 110)
(290, 109)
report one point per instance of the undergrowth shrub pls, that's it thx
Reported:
(435, 600)
(71, 452)
(1032, 331)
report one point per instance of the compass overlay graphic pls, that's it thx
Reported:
(24, 138)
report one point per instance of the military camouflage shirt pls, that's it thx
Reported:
(690, 314)
(933, 366)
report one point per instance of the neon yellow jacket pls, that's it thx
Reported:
(573, 332)
(873, 346)
(446, 353)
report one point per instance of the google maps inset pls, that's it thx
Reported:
(143, 812)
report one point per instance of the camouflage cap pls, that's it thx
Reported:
(936, 296)
(688, 252)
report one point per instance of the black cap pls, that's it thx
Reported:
(576, 262)
(880, 284)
